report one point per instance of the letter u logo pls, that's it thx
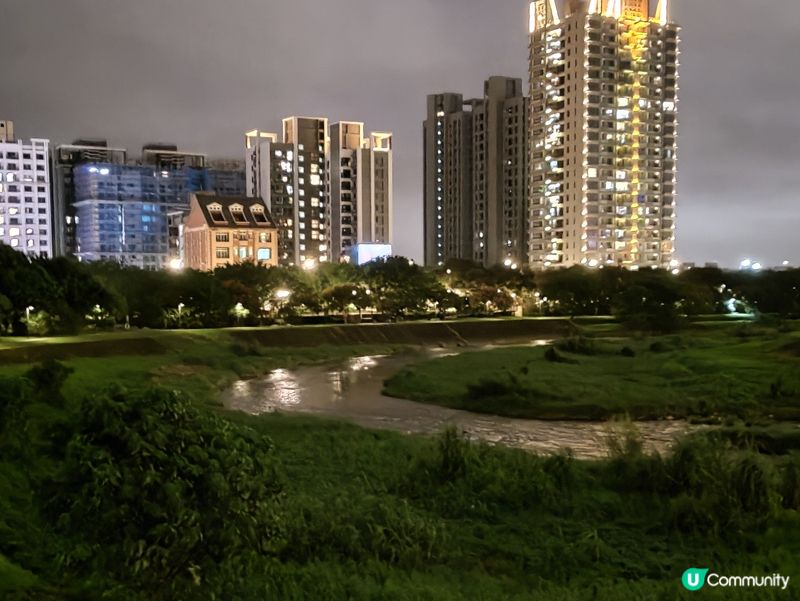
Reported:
(694, 579)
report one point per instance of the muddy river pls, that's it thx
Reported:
(352, 391)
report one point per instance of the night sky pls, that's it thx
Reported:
(199, 73)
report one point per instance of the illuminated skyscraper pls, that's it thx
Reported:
(602, 134)
(291, 177)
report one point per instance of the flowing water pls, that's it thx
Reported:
(352, 391)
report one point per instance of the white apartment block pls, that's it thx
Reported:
(602, 131)
(25, 214)
(325, 196)
(360, 188)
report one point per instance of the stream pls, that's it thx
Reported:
(351, 391)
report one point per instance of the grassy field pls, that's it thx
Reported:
(723, 370)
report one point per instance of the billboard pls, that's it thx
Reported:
(364, 253)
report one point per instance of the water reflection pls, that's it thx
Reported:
(352, 391)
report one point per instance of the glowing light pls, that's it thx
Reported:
(282, 294)
(309, 264)
(532, 18)
(662, 12)
(745, 264)
(175, 264)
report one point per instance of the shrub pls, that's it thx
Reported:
(553, 356)
(627, 352)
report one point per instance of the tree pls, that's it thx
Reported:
(401, 287)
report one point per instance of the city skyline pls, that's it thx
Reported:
(202, 96)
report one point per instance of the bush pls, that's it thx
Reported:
(627, 352)
(553, 356)
(144, 489)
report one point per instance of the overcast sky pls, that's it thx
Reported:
(200, 72)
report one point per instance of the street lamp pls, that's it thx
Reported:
(309, 264)
(28, 312)
(282, 294)
(175, 264)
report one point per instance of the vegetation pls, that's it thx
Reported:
(147, 495)
(62, 296)
(198, 363)
(746, 371)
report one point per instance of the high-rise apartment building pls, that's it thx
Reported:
(25, 214)
(132, 213)
(476, 180)
(291, 177)
(360, 188)
(447, 196)
(325, 194)
(65, 158)
(603, 144)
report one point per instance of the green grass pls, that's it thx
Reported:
(715, 371)
(378, 515)
(200, 363)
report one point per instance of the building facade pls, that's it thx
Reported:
(475, 172)
(25, 210)
(110, 208)
(224, 230)
(603, 86)
(122, 213)
(447, 174)
(360, 188)
(66, 158)
(325, 194)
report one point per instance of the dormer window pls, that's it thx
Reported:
(258, 214)
(215, 212)
(237, 212)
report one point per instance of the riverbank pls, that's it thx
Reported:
(716, 373)
(206, 503)
(420, 333)
(200, 364)
(294, 508)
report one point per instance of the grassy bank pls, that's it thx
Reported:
(198, 363)
(725, 370)
(147, 496)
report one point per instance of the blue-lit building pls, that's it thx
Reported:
(127, 213)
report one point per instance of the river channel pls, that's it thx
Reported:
(351, 391)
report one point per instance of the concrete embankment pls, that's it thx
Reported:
(419, 333)
(413, 333)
